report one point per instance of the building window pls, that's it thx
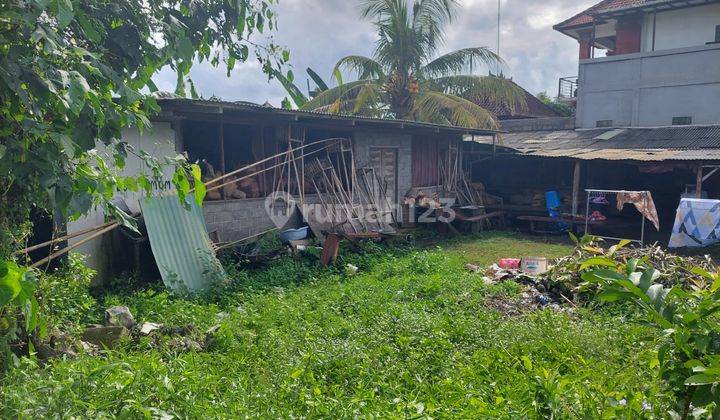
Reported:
(603, 123)
(682, 120)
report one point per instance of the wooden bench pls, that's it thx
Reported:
(476, 222)
(574, 222)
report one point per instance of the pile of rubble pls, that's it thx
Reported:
(120, 326)
(534, 295)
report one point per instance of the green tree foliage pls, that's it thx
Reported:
(405, 79)
(74, 73)
(559, 107)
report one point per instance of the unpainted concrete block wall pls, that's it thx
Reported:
(364, 140)
(237, 219)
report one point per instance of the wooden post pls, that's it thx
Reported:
(221, 140)
(699, 181)
(330, 249)
(576, 188)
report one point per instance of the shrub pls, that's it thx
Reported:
(688, 360)
(64, 295)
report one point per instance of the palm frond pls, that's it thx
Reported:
(429, 19)
(490, 92)
(365, 67)
(317, 79)
(295, 93)
(378, 8)
(450, 109)
(459, 61)
(338, 96)
(367, 99)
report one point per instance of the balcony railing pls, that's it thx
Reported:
(567, 88)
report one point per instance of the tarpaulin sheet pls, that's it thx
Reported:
(180, 243)
(697, 223)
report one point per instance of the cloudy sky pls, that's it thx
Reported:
(319, 32)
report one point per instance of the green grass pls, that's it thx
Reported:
(409, 336)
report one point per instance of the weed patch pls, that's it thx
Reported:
(411, 334)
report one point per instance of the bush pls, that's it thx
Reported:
(64, 296)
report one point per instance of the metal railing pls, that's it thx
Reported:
(567, 88)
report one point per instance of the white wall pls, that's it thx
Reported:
(649, 89)
(158, 141)
(681, 28)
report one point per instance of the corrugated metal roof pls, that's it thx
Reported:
(180, 243)
(641, 144)
(270, 110)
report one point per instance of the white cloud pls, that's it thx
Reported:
(319, 32)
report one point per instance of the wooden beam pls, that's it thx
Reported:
(711, 173)
(221, 146)
(699, 182)
(576, 187)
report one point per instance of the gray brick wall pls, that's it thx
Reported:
(538, 124)
(237, 219)
(365, 139)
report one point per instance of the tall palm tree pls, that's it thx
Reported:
(402, 79)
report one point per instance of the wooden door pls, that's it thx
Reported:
(384, 161)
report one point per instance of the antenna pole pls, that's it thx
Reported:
(497, 51)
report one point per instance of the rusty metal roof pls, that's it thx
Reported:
(216, 107)
(640, 144)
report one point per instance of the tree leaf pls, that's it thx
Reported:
(65, 13)
(199, 192)
(10, 287)
(648, 278)
(702, 379)
(597, 261)
(77, 92)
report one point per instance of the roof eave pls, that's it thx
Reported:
(218, 107)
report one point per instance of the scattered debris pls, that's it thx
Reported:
(147, 327)
(474, 268)
(509, 263)
(185, 344)
(210, 335)
(105, 336)
(534, 266)
(564, 271)
(351, 270)
(119, 316)
(59, 344)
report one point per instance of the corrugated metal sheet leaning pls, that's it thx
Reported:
(680, 143)
(180, 244)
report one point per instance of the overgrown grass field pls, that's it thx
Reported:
(411, 335)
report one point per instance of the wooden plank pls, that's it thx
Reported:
(576, 188)
(331, 247)
(699, 182)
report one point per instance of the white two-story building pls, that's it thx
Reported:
(646, 63)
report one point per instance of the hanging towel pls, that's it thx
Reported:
(643, 202)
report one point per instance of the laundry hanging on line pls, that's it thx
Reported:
(643, 202)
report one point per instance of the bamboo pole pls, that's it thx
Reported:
(229, 244)
(76, 245)
(62, 238)
(256, 173)
(278, 155)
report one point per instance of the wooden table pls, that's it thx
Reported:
(574, 222)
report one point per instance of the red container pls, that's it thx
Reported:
(509, 263)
